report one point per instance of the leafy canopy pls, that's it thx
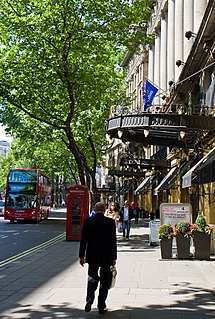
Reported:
(58, 70)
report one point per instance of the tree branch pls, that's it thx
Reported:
(14, 10)
(20, 107)
(90, 140)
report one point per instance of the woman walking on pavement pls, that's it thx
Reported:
(112, 212)
(98, 248)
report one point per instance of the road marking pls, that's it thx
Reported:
(32, 250)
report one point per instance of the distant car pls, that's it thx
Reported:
(2, 208)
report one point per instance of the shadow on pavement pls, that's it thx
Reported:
(135, 243)
(198, 304)
(21, 277)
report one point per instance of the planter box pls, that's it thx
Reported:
(202, 243)
(183, 247)
(166, 248)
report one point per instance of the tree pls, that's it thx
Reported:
(51, 157)
(58, 68)
(9, 161)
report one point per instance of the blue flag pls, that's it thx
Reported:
(149, 94)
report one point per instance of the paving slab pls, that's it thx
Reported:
(50, 283)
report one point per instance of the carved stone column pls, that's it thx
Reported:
(170, 44)
(179, 36)
(157, 65)
(151, 63)
(188, 26)
(199, 10)
(163, 51)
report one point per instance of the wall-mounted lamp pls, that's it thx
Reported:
(189, 34)
(182, 134)
(170, 83)
(163, 97)
(120, 134)
(146, 133)
(179, 63)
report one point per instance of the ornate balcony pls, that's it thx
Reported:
(164, 129)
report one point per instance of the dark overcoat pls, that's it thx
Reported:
(98, 240)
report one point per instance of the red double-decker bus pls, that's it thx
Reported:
(28, 195)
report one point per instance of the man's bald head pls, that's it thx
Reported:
(100, 208)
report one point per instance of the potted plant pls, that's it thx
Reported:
(201, 237)
(165, 234)
(183, 234)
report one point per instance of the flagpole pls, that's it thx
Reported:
(159, 88)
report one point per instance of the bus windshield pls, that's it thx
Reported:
(20, 200)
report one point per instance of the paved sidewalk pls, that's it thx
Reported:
(51, 284)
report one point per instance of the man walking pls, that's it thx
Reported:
(126, 215)
(98, 248)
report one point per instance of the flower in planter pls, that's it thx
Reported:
(208, 229)
(183, 228)
(201, 225)
(165, 231)
(201, 237)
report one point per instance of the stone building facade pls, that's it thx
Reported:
(4, 147)
(153, 150)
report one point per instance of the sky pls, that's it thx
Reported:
(3, 137)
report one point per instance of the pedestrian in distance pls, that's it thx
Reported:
(132, 206)
(98, 248)
(112, 212)
(92, 214)
(136, 213)
(126, 214)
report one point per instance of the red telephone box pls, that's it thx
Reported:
(77, 210)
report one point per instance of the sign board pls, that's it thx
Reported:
(143, 163)
(105, 190)
(174, 213)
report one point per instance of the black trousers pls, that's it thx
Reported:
(95, 274)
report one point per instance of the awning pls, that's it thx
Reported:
(187, 178)
(150, 185)
(164, 180)
(127, 186)
(171, 180)
(206, 171)
(140, 187)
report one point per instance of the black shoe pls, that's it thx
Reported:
(88, 306)
(102, 311)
